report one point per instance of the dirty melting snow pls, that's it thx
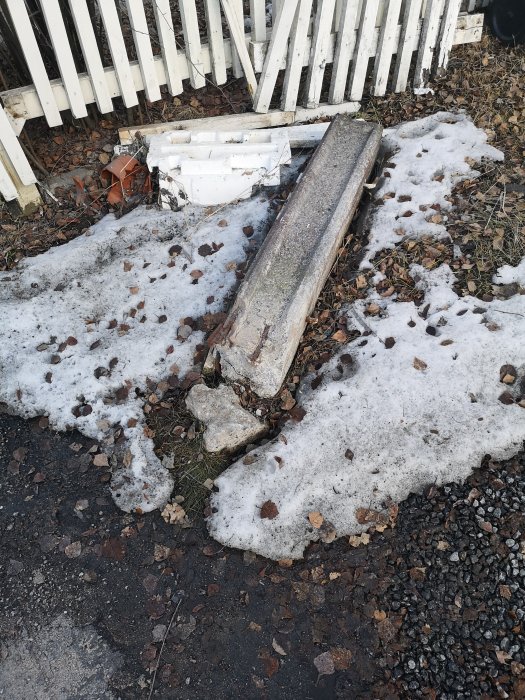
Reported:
(85, 325)
(424, 407)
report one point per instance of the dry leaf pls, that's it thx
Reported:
(324, 664)
(356, 540)
(340, 336)
(101, 460)
(419, 364)
(278, 648)
(316, 519)
(269, 510)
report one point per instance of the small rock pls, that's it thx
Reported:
(228, 425)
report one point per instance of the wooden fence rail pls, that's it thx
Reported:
(287, 52)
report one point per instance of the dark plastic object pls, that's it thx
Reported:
(506, 19)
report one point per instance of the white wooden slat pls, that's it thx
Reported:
(275, 56)
(88, 43)
(319, 52)
(7, 186)
(427, 42)
(66, 63)
(216, 40)
(406, 46)
(14, 150)
(34, 61)
(296, 55)
(117, 48)
(238, 39)
(164, 22)
(446, 37)
(386, 47)
(344, 50)
(276, 8)
(192, 41)
(140, 29)
(363, 49)
(258, 17)
(236, 60)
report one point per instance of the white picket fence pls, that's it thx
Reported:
(348, 48)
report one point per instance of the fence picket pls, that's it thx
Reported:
(216, 40)
(275, 56)
(7, 186)
(427, 42)
(385, 47)
(34, 61)
(192, 41)
(141, 39)
(236, 60)
(296, 53)
(168, 45)
(117, 48)
(66, 63)
(344, 50)
(407, 39)
(363, 49)
(239, 41)
(319, 51)
(12, 147)
(88, 43)
(448, 29)
(258, 16)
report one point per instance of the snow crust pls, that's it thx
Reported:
(511, 275)
(423, 410)
(118, 290)
(429, 157)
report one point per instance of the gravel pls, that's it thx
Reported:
(460, 588)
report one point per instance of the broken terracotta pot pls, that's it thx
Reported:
(125, 177)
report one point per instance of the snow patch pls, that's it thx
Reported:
(430, 156)
(511, 275)
(84, 325)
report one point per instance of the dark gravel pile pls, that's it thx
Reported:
(460, 587)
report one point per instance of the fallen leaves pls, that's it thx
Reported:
(324, 663)
(418, 364)
(73, 550)
(316, 519)
(174, 514)
(269, 510)
(357, 540)
(340, 336)
(101, 460)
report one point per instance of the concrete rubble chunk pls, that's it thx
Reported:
(259, 339)
(228, 425)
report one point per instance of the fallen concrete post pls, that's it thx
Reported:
(259, 339)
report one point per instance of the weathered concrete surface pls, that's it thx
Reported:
(228, 425)
(258, 340)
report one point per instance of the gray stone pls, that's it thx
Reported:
(259, 339)
(228, 425)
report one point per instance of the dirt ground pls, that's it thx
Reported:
(137, 608)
